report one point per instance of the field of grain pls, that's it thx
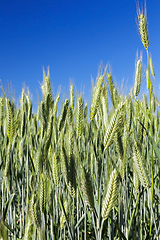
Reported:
(90, 172)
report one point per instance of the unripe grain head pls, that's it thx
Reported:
(151, 67)
(143, 26)
(138, 73)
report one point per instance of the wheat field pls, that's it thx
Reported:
(89, 172)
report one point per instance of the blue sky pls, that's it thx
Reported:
(73, 37)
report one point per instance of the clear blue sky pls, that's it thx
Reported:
(73, 37)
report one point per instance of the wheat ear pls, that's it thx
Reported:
(34, 213)
(87, 189)
(55, 170)
(79, 123)
(148, 79)
(63, 115)
(10, 121)
(96, 97)
(111, 86)
(143, 27)
(114, 126)
(111, 196)
(142, 175)
(71, 97)
(138, 73)
(43, 192)
(151, 67)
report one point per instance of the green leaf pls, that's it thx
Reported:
(7, 206)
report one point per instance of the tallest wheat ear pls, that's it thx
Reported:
(143, 27)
